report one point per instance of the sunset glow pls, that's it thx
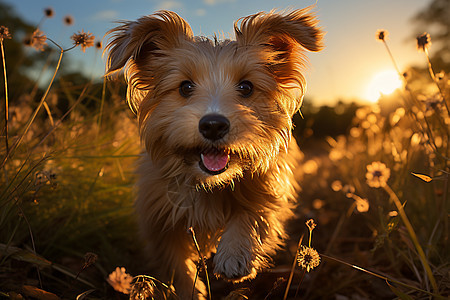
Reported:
(382, 83)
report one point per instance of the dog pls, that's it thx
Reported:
(215, 117)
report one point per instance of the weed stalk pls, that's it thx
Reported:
(413, 236)
(6, 97)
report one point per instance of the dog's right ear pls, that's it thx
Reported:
(134, 41)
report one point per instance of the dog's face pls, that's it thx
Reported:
(214, 110)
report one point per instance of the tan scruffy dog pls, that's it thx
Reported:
(216, 119)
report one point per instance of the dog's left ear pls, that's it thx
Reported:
(134, 41)
(283, 37)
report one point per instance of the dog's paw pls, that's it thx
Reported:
(234, 266)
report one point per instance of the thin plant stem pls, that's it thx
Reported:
(6, 98)
(41, 103)
(413, 236)
(299, 284)
(387, 279)
(32, 241)
(294, 263)
(100, 115)
(195, 281)
(433, 76)
(392, 58)
(191, 230)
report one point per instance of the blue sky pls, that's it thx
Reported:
(342, 71)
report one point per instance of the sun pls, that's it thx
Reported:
(382, 83)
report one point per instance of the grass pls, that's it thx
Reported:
(66, 216)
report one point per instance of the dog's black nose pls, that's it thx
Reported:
(214, 127)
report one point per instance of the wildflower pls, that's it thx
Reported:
(377, 174)
(49, 12)
(68, 20)
(37, 40)
(120, 280)
(423, 42)
(142, 290)
(83, 39)
(4, 33)
(308, 258)
(382, 35)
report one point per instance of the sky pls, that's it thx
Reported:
(342, 71)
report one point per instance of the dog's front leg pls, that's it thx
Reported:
(236, 249)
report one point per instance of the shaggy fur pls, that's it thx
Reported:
(250, 87)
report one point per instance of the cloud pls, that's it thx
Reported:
(170, 5)
(105, 15)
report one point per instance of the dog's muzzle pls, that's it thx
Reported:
(213, 127)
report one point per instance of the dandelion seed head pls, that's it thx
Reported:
(49, 12)
(381, 35)
(120, 280)
(4, 33)
(143, 290)
(90, 259)
(37, 40)
(68, 20)
(83, 39)
(423, 42)
(377, 174)
(308, 258)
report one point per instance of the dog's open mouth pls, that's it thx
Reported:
(214, 161)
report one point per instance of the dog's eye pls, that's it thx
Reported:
(186, 88)
(245, 88)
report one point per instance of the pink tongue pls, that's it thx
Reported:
(215, 161)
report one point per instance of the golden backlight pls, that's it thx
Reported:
(382, 83)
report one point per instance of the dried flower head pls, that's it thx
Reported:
(68, 20)
(49, 12)
(83, 39)
(308, 258)
(4, 33)
(377, 174)
(423, 42)
(143, 289)
(98, 45)
(382, 35)
(311, 224)
(37, 40)
(89, 259)
(120, 280)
